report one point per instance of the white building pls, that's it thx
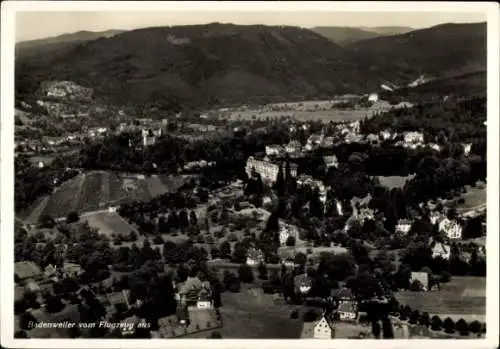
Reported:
(414, 137)
(331, 161)
(435, 217)
(324, 329)
(204, 299)
(286, 231)
(403, 226)
(452, 229)
(267, 170)
(467, 148)
(148, 138)
(293, 147)
(385, 135)
(373, 97)
(273, 150)
(435, 147)
(441, 250)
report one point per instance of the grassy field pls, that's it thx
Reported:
(253, 314)
(109, 223)
(308, 111)
(62, 200)
(474, 198)
(462, 297)
(391, 182)
(336, 115)
(96, 190)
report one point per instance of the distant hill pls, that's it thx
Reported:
(344, 35)
(438, 52)
(202, 65)
(46, 45)
(347, 35)
(225, 64)
(466, 85)
(386, 31)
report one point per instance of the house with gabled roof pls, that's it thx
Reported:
(347, 308)
(324, 328)
(403, 226)
(347, 311)
(441, 250)
(451, 228)
(204, 298)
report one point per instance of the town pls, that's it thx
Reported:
(331, 227)
(225, 181)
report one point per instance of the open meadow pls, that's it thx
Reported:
(97, 190)
(108, 223)
(474, 198)
(462, 297)
(253, 314)
(324, 111)
(391, 182)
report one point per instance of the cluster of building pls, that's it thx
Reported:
(29, 276)
(65, 89)
(345, 308)
(267, 169)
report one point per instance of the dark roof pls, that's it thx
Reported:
(347, 307)
(302, 280)
(204, 295)
(190, 284)
(343, 292)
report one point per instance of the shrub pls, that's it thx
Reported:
(462, 327)
(475, 327)
(449, 325)
(416, 286)
(290, 241)
(436, 323)
(72, 217)
(414, 317)
(245, 273)
(424, 320)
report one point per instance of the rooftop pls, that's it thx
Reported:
(27, 269)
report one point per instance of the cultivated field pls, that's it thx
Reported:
(325, 112)
(462, 297)
(97, 190)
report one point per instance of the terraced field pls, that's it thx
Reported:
(97, 190)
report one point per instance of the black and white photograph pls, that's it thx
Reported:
(257, 171)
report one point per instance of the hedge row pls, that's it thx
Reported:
(437, 324)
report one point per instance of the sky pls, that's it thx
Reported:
(42, 24)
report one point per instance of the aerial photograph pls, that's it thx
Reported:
(250, 175)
